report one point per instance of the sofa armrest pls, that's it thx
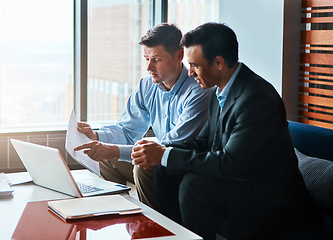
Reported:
(311, 140)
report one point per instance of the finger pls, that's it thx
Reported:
(82, 124)
(139, 162)
(80, 129)
(84, 129)
(84, 146)
(142, 141)
(136, 148)
(137, 154)
(144, 165)
(87, 152)
(91, 154)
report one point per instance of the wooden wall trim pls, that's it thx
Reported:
(291, 54)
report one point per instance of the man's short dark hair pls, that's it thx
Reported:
(215, 39)
(165, 34)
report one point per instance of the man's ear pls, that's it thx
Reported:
(179, 55)
(219, 62)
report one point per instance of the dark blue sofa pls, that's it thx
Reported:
(314, 149)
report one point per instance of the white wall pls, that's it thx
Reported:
(258, 25)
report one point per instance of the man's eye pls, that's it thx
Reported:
(154, 60)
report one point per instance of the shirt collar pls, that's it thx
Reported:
(224, 92)
(182, 77)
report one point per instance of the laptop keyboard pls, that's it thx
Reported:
(88, 189)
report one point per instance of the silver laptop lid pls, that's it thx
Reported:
(46, 167)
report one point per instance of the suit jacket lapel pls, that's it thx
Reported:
(214, 108)
(235, 91)
(216, 116)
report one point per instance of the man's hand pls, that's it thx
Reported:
(99, 151)
(87, 130)
(147, 154)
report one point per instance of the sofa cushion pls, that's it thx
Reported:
(318, 178)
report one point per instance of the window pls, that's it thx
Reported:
(188, 14)
(115, 58)
(41, 80)
(36, 56)
(36, 63)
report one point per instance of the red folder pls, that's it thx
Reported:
(37, 222)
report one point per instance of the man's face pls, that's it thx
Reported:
(204, 73)
(162, 66)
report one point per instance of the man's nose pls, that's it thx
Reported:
(150, 66)
(191, 73)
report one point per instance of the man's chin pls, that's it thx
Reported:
(203, 86)
(156, 79)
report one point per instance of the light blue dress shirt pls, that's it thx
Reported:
(221, 95)
(174, 115)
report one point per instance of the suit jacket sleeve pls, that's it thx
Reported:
(251, 128)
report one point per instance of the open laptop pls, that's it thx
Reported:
(47, 168)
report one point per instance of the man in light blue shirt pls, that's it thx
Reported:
(169, 101)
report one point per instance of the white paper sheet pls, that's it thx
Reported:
(19, 178)
(74, 139)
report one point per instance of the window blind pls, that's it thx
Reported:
(316, 64)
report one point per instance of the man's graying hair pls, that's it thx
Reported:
(165, 34)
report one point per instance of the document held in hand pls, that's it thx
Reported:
(77, 208)
(74, 139)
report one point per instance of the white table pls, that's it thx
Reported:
(12, 208)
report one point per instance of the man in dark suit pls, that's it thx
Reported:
(242, 165)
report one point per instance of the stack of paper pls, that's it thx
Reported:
(5, 187)
(93, 206)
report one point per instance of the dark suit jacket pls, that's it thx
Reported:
(248, 146)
